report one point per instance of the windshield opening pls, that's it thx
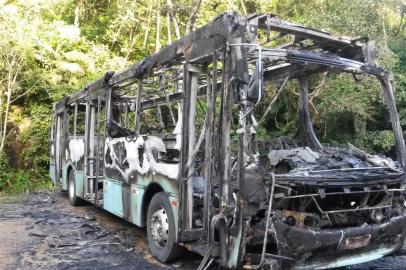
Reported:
(343, 110)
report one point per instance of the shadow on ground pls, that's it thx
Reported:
(42, 231)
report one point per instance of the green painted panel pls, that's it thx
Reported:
(65, 175)
(168, 185)
(79, 183)
(174, 201)
(137, 193)
(112, 198)
(52, 172)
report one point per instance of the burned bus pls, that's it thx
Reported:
(170, 144)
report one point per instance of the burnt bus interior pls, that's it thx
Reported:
(246, 200)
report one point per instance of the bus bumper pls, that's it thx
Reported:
(322, 249)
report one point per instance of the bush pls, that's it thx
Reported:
(379, 141)
(33, 175)
(4, 171)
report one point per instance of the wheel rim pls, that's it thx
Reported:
(71, 189)
(159, 227)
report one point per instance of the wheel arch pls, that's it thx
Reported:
(150, 191)
(65, 179)
(68, 170)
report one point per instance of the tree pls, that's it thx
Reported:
(49, 49)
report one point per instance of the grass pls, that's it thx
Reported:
(20, 182)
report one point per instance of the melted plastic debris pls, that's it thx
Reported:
(351, 162)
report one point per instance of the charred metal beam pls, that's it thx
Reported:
(225, 122)
(60, 107)
(224, 148)
(387, 85)
(183, 216)
(307, 137)
(92, 90)
(190, 89)
(190, 128)
(271, 22)
(332, 180)
(295, 61)
(138, 107)
(171, 98)
(201, 42)
(75, 116)
(208, 147)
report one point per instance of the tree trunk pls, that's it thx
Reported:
(243, 7)
(172, 15)
(191, 22)
(360, 126)
(77, 12)
(144, 44)
(1, 111)
(9, 90)
(14, 66)
(307, 137)
(230, 4)
(168, 27)
(132, 38)
(158, 28)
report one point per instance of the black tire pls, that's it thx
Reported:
(74, 200)
(169, 250)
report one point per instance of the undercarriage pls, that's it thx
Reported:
(327, 207)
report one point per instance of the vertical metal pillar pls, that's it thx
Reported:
(86, 141)
(190, 87)
(75, 117)
(226, 117)
(209, 155)
(98, 155)
(191, 129)
(126, 118)
(387, 85)
(137, 107)
(306, 133)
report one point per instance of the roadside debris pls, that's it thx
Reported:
(55, 237)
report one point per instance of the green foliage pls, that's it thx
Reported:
(18, 182)
(64, 44)
(4, 171)
(14, 181)
(35, 154)
(379, 141)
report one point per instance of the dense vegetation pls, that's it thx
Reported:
(51, 48)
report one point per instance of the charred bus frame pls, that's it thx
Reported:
(219, 197)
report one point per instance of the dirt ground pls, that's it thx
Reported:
(42, 231)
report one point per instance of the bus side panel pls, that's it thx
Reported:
(174, 201)
(137, 193)
(112, 197)
(65, 175)
(52, 170)
(52, 159)
(73, 156)
(79, 183)
(52, 152)
(171, 189)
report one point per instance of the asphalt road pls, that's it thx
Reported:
(42, 231)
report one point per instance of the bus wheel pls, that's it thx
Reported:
(74, 200)
(161, 229)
